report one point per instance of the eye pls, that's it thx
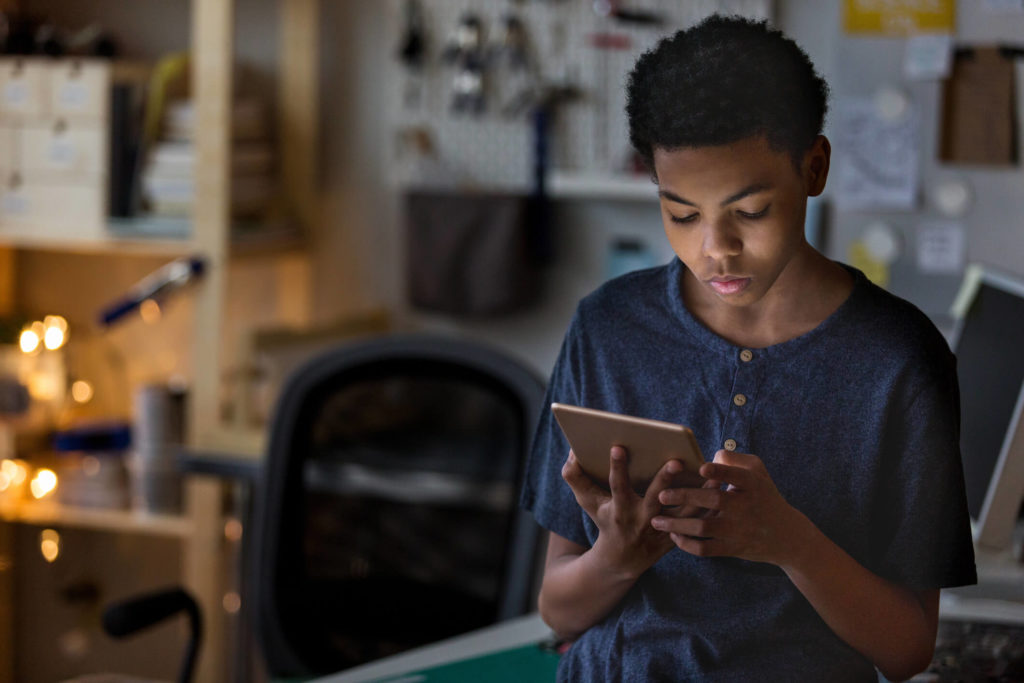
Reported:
(684, 219)
(760, 214)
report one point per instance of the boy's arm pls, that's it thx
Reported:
(888, 623)
(579, 589)
(581, 585)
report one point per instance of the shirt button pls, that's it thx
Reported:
(730, 444)
(739, 399)
(746, 355)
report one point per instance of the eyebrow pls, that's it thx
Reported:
(749, 190)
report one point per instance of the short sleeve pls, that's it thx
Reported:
(925, 528)
(544, 492)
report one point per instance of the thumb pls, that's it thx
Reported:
(732, 458)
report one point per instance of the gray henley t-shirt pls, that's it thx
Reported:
(856, 421)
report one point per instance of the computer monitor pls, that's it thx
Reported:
(989, 344)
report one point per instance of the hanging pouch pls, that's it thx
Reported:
(469, 254)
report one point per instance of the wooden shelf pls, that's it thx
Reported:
(153, 236)
(49, 513)
(570, 185)
(142, 236)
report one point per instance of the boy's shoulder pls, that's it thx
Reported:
(894, 325)
(629, 292)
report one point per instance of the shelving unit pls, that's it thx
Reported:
(200, 528)
(565, 185)
(126, 521)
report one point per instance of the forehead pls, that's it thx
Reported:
(747, 161)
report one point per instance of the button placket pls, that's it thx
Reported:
(739, 417)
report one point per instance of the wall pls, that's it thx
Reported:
(994, 235)
(358, 259)
(853, 66)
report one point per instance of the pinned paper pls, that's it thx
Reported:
(941, 247)
(899, 17)
(978, 109)
(1003, 6)
(882, 242)
(928, 57)
(875, 270)
(876, 156)
(953, 197)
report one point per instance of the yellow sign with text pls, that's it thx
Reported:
(900, 17)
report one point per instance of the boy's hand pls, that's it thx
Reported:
(627, 544)
(749, 520)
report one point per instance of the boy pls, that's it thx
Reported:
(834, 509)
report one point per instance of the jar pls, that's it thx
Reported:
(91, 467)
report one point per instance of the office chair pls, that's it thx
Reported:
(127, 617)
(387, 513)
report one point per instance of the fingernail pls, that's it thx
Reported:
(658, 523)
(674, 467)
(618, 453)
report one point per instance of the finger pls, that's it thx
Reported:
(662, 481)
(588, 494)
(618, 474)
(698, 527)
(740, 477)
(712, 499)
(711, 547)
(744, 460)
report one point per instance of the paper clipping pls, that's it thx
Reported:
(877, 156)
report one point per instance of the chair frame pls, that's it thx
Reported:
(521, 579)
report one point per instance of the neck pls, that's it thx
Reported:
(808, 290)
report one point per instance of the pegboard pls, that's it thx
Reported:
(494, 149)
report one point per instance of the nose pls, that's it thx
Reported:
(721, 240)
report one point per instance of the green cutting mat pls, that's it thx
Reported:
(527, 663)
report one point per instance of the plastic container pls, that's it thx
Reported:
(90, 463)
(153, 465)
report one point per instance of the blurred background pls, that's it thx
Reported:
(198, 196)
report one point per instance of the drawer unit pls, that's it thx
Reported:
(80, 89)
(33, 208)
(8, 149)
(54, 148)
(24, 88)
(63, 150)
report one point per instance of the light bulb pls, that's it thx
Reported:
(44, 483)
(81, 391)
(28, 341)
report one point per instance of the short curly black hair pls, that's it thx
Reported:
(724, 80)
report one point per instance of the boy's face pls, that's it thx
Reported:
(734, 214)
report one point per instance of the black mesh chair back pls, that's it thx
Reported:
(387, 516)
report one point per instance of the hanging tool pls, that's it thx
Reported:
(466, 51)
(610, 8)
(605, 42)
(157, 285)
(413, 51)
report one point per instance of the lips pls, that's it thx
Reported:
(727, 285)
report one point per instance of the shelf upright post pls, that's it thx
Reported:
(299, 110)
(6, 602)
(212, 55)
(299, 107)
(8, 263)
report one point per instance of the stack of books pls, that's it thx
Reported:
(169, 175)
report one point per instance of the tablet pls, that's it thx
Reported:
(649, 443)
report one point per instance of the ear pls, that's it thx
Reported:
(815, 167)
